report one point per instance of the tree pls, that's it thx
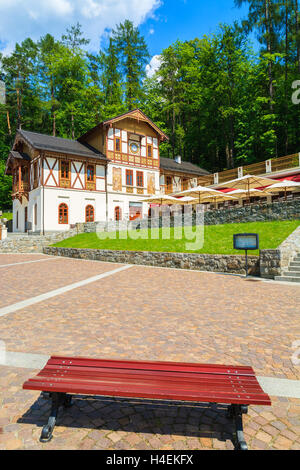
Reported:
(133, 55)
(111, 81)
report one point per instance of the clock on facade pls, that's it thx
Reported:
(134, 147)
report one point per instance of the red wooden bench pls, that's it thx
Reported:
(63, 377)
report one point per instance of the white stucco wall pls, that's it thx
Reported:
(76, 201)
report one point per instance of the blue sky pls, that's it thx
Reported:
(187, 19)
(161, 21)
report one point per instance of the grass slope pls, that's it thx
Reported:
(6, 215)
(218, 239)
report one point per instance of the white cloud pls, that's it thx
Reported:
(34, 18)
(153, 66)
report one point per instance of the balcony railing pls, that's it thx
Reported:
(22, 188)
(262, 168)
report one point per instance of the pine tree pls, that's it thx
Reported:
(133, 56)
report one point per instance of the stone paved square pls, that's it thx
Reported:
(145, 314)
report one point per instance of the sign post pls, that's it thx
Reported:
(247, 242)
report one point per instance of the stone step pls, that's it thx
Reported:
(287, 279)
(292, 267)
(295, 263)
(292, 273)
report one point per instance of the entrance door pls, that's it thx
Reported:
(135, 211)
(25, 218)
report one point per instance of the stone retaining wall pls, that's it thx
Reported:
(234, 264)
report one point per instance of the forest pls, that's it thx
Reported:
(224, 99)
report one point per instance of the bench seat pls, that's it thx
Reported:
(234, 385)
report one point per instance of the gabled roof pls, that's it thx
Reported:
(134, 114)
(58, 144)
(13, 155)
(183, 167)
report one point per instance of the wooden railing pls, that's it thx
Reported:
(261, 168)
(23, 187)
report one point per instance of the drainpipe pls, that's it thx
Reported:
(106, 193)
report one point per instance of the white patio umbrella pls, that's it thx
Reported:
(248, 182)
(187, 201)
(161, 199)
(199, 192)
(219, 198)
(285, 186)
(241, 193)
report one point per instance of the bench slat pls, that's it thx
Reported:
(206, 381)
(159, 366)
(154, 384)
(106, 372)
(118, 390)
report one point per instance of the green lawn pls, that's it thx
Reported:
(6, 215)
(218, 238)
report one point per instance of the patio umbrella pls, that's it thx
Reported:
(248, 182)
(198, 192)
(241, 193)
(221, 197)
(186, 201)
(161, 199)
(283, 186)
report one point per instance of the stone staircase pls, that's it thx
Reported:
(293, 273)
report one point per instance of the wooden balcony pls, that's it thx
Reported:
(20, 189)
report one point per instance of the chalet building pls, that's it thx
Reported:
(102, 176)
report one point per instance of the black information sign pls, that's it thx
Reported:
(246, 241)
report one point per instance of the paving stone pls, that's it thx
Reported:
(198, 322)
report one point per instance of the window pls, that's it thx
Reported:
(118, 214)
(117, 144)
(169, 184)
(129, 178)
(64, 170)
(63, 215)
(89, 214)
(140, 179)
(35, 171)
(184, 184)
(90, 173)
(17, 219)
(149, 151)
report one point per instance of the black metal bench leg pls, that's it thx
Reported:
(67, 403)
(236, 412)
(57, 400)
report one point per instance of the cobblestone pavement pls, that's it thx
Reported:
(148, 314)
